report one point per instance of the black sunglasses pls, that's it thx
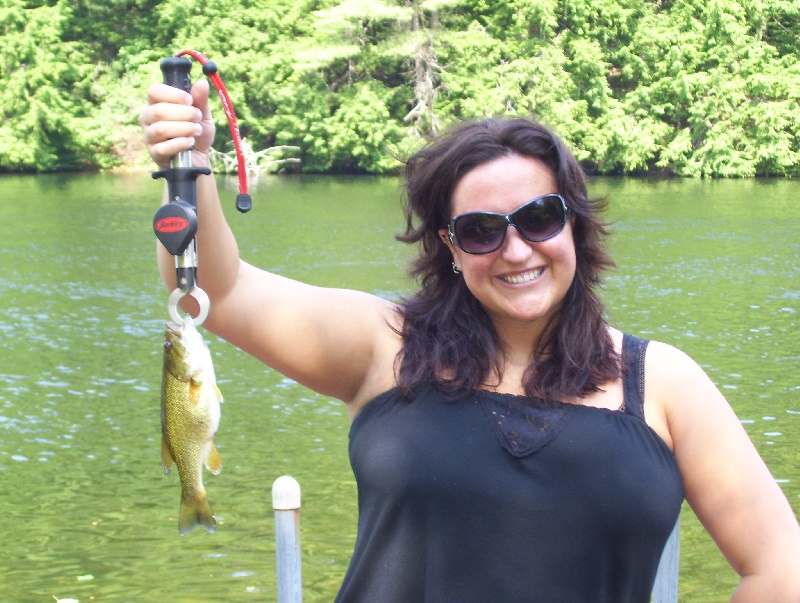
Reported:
(537, 220)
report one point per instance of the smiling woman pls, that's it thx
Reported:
(505, 440)
(496, 167)
(523, 286)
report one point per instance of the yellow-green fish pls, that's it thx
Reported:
(190, 415)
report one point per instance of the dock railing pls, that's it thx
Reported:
(286, 503)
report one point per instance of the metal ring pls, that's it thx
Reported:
(202, 300)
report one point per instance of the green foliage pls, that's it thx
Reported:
(361, 134)
(707, 88)
(782, 25)
(47, 94)
(109, 25)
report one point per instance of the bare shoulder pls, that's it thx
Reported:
(678, 392)
(679, 385)
(668, 360)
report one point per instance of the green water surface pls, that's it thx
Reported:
(85, 509)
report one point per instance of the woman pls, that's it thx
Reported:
(507, 443)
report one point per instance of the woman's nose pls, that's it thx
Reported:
(515, 247)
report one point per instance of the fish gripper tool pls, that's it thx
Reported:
(175, 223)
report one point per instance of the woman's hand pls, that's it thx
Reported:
(175, 121)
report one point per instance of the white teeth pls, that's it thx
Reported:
(522, 278)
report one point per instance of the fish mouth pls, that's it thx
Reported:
(522, 277)
(173, 334)
(173, 327)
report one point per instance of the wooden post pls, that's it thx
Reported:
(665, 588)
(286, 503)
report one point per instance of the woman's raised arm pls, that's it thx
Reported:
(337, 342)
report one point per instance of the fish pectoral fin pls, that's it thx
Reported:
(196, 512)
(166, 455)
(213, 460)
(219, 394)
(195, 390)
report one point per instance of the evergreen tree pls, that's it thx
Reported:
(690, 87)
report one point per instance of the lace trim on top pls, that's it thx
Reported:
(524, 425)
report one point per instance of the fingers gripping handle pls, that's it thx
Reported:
(182, 175)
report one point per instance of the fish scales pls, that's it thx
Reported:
(190, 415)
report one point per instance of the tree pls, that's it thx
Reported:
(692, 87)
(47, 94)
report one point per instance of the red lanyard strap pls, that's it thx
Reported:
(243, 200)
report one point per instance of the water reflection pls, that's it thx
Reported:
(710, 267)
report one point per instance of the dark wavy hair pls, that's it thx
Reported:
(448, 338)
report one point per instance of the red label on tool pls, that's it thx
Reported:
(171, 224)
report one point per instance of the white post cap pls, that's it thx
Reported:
(285, 494)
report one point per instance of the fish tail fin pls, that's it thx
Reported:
(196, 512)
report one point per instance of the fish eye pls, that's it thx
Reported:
(167, 345)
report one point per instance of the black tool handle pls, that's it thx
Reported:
(176, 72)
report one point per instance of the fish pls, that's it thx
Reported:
(190, 415)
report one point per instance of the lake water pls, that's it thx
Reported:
(85, 509)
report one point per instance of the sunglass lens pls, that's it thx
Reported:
(480, 233)
(540, 219)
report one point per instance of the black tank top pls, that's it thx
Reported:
(498, 498)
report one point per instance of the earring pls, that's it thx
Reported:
(455, 269)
